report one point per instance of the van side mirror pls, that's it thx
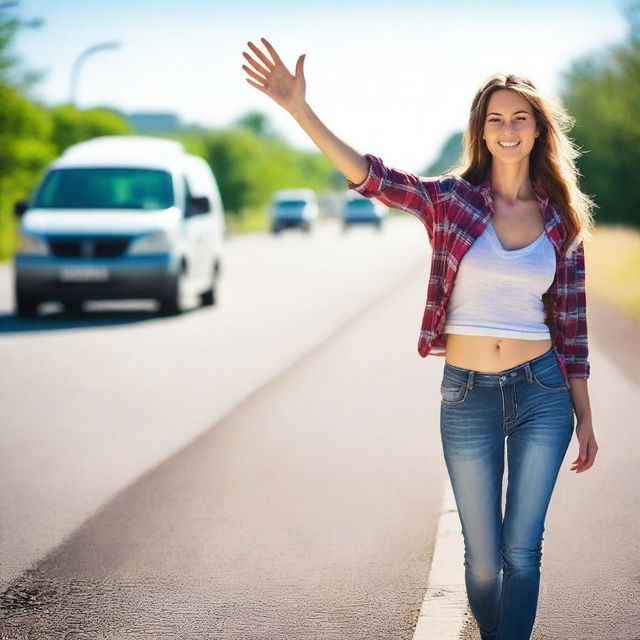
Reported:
(197, 206)
(20, 207)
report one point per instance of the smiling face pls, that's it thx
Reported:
(509, 119)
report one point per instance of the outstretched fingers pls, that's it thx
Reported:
(255, 65)
(261, 55)
(253, 74)
(272, 52)
(256, 85)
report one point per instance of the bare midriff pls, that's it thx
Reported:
(516, 225)
(489, 354)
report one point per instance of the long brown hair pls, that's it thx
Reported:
(551, 163)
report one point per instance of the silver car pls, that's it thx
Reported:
(360, 210)
(293, 208)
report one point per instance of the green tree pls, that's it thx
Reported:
(448, 157)
(258, 123)
(73, 125)
(30, 134)
(25, 148)
(11, 72)
(25, 129)
(602, 91)
(249, 168)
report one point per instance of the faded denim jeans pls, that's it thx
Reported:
(530, 407)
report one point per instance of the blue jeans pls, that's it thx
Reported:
(530, 405)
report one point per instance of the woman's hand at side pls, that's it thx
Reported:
(588, 445)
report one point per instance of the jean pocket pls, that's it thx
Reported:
(550, 379)
(453, 392)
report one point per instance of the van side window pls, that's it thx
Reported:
(187, 194)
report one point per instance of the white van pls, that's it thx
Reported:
(121, 217)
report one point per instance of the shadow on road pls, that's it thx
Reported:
(89, 318)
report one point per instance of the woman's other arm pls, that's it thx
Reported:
(578, 362)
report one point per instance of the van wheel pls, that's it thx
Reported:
(171, 301)
(26, 307)
(208, 297)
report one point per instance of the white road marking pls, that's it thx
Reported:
(445, 603)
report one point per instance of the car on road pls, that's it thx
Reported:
(359, 210)
(296, 208)
(121, 217)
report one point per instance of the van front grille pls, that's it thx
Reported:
(102, 247)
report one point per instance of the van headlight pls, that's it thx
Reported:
(32, 245)
(156, 242)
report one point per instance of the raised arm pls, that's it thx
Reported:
(366, 173)
(287, 90)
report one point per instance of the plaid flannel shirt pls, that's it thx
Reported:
(455, 213)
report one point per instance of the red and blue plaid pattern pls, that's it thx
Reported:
(454, 213)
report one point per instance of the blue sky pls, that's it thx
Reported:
(393, 78)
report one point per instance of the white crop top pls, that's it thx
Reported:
(498, 292)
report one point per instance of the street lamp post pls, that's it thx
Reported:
(81, 58)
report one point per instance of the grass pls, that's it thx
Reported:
(250, 220)
(612, 263)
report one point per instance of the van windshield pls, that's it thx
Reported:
(105, 188)
(290, 203)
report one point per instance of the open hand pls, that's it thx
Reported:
(273, 78)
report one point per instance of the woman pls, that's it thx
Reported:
(513, 329)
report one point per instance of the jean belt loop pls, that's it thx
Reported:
(527, 368)
(470, 380)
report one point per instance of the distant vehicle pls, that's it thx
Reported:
(293, 208)
(121, 217)
(360, 210)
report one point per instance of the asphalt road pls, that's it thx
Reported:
(272, 467)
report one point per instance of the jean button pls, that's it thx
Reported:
(503, 378)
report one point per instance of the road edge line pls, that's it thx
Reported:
(445, 606)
